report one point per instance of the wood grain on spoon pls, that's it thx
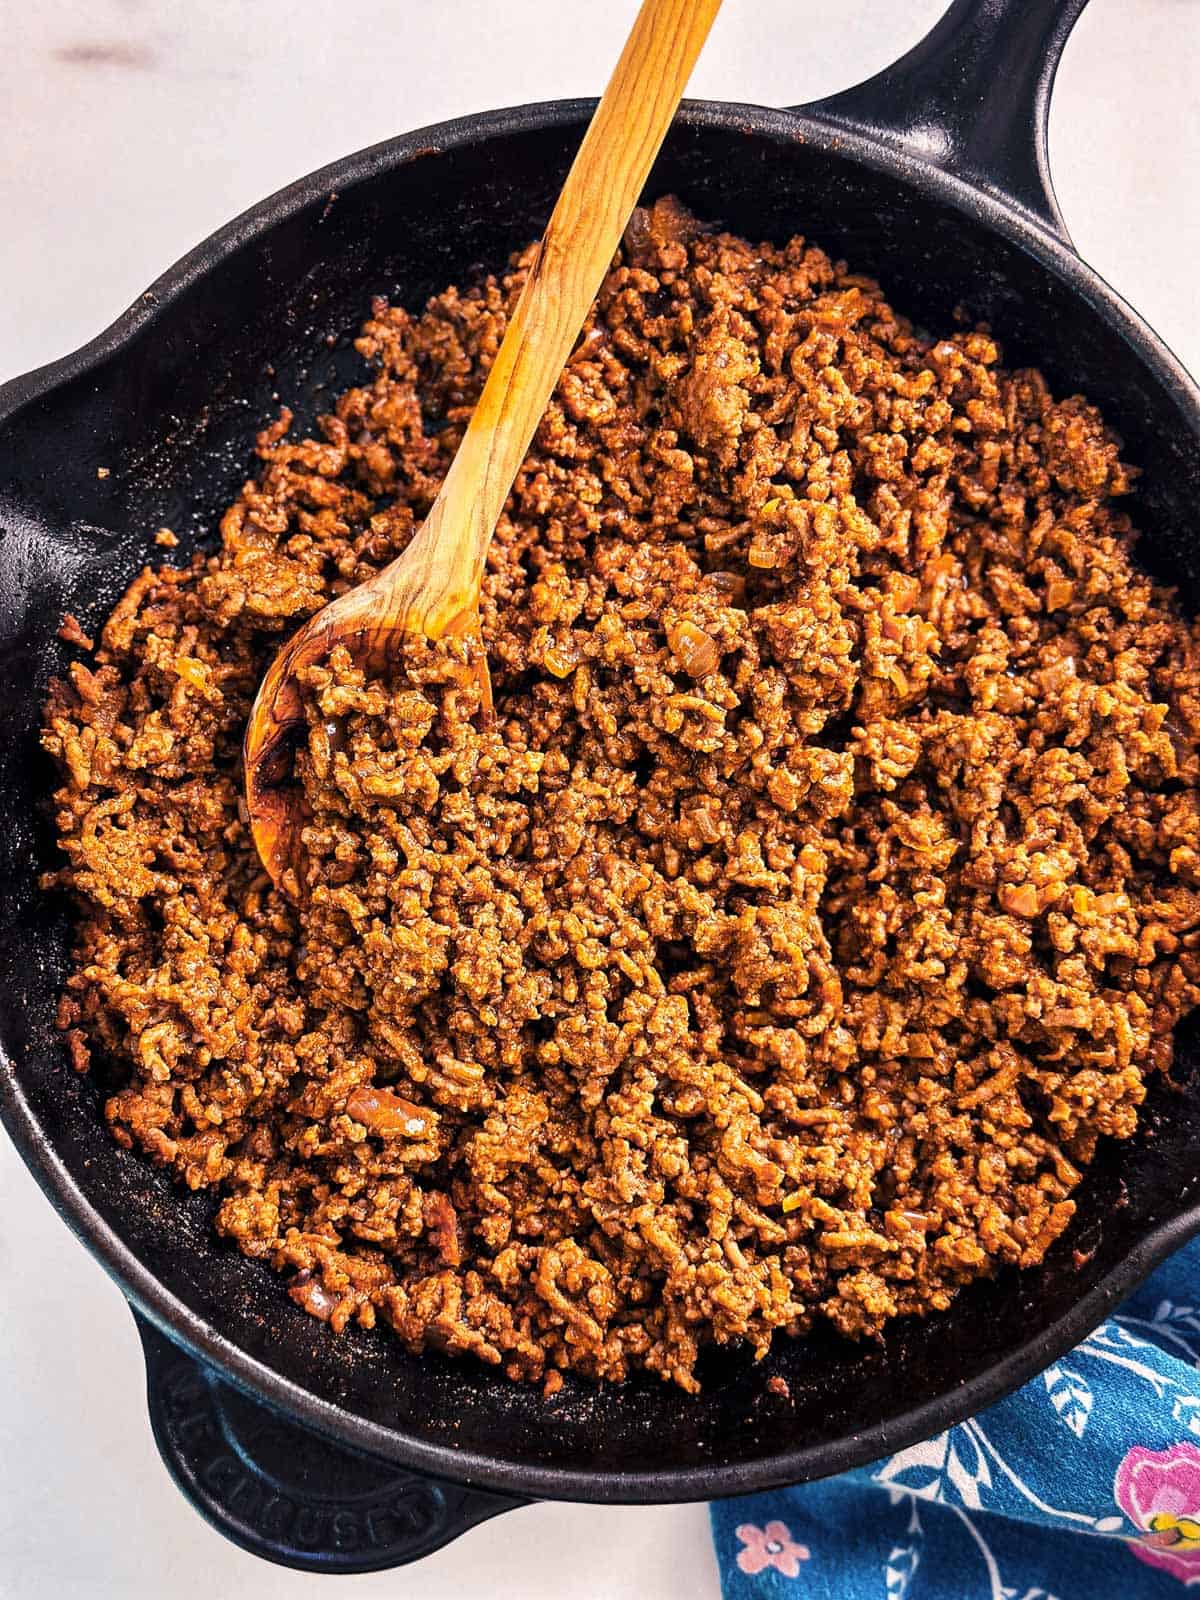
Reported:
(433, 587)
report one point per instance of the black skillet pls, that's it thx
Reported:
(344, 1455)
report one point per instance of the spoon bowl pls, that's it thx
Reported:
(416, 594)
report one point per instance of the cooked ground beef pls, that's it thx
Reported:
(825, 885)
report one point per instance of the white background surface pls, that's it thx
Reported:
(129, 129)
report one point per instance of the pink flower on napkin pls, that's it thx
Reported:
(772, 1546)
(1159, 1490)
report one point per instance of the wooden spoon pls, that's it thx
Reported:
(433, 588)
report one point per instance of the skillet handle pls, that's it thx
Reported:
(286, 1493)
(973, 97)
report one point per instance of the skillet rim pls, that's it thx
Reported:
(204, 1341)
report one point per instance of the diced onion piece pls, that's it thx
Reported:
(389, 1114)
(696, 650)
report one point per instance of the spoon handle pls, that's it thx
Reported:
(443, 567)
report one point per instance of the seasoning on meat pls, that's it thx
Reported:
(825, 885)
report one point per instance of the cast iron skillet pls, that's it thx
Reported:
(305, 1448)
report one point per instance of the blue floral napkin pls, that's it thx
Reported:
(1084, 1485)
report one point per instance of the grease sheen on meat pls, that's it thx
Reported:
(834, 842)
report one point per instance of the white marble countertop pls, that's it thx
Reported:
(132, 128)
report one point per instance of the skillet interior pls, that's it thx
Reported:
(171, 412)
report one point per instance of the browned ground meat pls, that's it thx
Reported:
(825, 885)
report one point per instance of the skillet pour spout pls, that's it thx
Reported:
(343, 1455)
